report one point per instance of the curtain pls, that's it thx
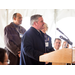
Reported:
(3, 21)
(48, 16)
(53, 18)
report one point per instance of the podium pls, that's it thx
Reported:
(58, 57)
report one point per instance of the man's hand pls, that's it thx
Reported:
(19, 53)
(46, 62)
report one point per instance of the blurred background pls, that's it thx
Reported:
(64, 19)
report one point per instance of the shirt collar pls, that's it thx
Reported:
(37, 30)
(15, 25)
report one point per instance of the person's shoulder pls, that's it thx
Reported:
(22, 27)
(42, 33)
(9, 25)
(30, 31)
(48, 36)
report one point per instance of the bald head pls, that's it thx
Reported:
(17, 18)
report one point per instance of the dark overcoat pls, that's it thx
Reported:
(32, 46)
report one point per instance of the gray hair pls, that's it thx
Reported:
(57, 39)
(34, 18)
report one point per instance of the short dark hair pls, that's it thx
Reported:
(57, 39)
(14, 15)
(2, 54)
(34, 18)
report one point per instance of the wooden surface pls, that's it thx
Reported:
(58, 63)
(73, 58)
(58, 57)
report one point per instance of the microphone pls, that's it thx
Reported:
(62, 32)
(59, 30)
(67, 40)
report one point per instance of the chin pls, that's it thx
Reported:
(20, 23)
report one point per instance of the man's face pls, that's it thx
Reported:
(65, 44)
(57, 44)
(40, 23)
(18, 19)
(44, 29)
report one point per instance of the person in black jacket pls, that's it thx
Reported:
(48, 43)
(33, 43)
(12, 38)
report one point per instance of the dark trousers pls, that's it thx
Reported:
(14, 60)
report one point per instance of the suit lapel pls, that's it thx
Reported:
(39, 34)
(42, 36)
(14, 27)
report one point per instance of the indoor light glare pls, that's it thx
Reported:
(67, 26)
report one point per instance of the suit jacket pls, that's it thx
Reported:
(12, 41)
(32, 46)
(49, 47)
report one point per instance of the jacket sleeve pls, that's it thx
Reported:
(28, 49)
(50, 48)
(10, 42)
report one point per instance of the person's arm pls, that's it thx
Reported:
(10, 42)
(50, 45)
(28, 48)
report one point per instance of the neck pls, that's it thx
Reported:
(35, 27)
(15, 23)
(56, 48)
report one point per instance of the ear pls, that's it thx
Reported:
(35, 23)
(14, 18)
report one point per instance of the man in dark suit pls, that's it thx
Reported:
(33, 43)
(12, 38)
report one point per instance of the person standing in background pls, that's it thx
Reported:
(12, 38)
(57, 43)
(48, 43)
(65, 45)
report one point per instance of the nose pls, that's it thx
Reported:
(43, 23)
(21, 19)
